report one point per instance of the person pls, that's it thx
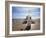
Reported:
(28, 24)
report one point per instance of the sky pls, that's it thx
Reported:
(22, 12)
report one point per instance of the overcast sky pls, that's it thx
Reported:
(22, 12)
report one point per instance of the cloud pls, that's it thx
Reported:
(22, 12)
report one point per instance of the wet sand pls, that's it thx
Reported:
(18, 26)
